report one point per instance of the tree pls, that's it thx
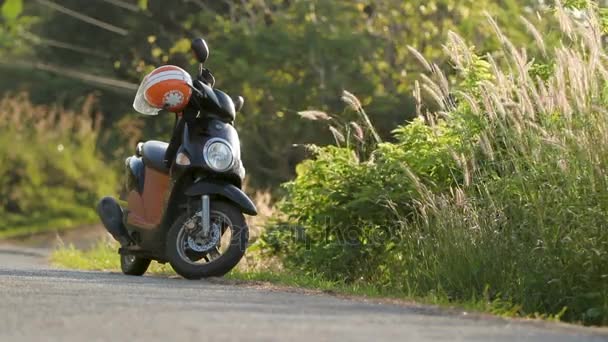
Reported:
(283, 56)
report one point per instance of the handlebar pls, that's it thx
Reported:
(205, 76)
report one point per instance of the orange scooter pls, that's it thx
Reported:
(189, 210)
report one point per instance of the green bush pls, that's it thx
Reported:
(499, 195)
(51, 175)
(347, 205)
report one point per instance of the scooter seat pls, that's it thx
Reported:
(154, 155)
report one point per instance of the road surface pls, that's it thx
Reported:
(38, 303)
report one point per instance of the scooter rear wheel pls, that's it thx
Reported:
(132, 265)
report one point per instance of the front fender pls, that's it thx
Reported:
(226, 190)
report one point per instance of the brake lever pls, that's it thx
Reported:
(206, 76)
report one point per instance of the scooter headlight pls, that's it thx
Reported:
(218, 155)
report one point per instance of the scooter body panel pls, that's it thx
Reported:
(145, 210)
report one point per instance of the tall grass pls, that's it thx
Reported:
(498, 193)
(51, 174)
(529, 224)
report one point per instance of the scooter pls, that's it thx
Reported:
(190, 214)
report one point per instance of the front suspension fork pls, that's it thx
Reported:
(205, 215)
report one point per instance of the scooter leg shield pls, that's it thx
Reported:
(110, 213)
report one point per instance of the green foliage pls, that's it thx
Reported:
(51, 173)
(345, 206)
(12, 25)
(476, 71)
(143, 4)
(578, 4)
(426, 150)
(499, 194)
(11, 9)
(590, 5)
(282, 56)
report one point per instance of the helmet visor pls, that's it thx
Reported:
(140, 104)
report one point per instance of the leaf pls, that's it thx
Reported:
(143, 4)
(11, 9)
(181, 46)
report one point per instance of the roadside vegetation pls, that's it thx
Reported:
(102, 257)
(498, 190)
(51, 173)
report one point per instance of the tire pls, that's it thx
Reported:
(226, 261)
(134, 266)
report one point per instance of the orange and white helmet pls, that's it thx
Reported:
(167, 87)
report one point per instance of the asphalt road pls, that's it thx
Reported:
(38, 303)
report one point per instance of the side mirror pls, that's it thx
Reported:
(200, 50)
(238, 103)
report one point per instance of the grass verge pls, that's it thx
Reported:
(103, 257)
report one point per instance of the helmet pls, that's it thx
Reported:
(168, 87)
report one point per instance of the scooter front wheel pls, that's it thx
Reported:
(193, 256)
(132, 265)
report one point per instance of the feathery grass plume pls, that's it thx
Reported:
(443, 83)
(492, 99)
(458, 50)
(420, 58)
(486, 146)
(355, 104)
(432, 119)
(502, 81)
(558, 87)
(426, 80)
(416, 181)
(48, 121)
(470, 101)
(351, 100)
(546, 101)
(565, 20)
(435, 95)
(460, 197)
(518, 61)
(533, 89)
(314, 115)
(358, 131)
(540, 42)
